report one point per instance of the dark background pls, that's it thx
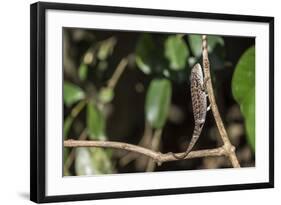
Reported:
(125, 118)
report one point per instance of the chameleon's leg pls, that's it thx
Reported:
(204, 87)
(202, 121)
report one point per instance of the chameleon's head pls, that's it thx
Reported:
(197, 71)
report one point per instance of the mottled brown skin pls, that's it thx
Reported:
(199, 106)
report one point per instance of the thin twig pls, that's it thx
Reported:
(78, 108)
(229, 148)
(226, 150)
(156, 156)
(117, 73)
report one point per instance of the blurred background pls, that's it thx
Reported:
(134, 87)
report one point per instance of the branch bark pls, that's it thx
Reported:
(229, 148)
(117, 73)
(156, 156)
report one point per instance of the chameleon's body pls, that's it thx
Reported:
(199, 105)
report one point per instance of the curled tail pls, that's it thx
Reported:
(195, 136)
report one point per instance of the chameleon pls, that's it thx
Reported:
(199, 105)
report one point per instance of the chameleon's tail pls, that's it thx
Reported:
(195, 136)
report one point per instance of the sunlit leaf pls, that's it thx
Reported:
(106, 48)
(157, 102)
(101, 160)
(95, 122)
(176, 51)
(243, 90)
(243, 80)
(195, 42)
(72, 93)
(106, 95)
(83, 162)
(83, 71)
(89, 57)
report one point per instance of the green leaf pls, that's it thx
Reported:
(195, 42)
(83, 71)
(66, 151)
(83, 162)
(92, 161)
(66, 126)
(150, 55)
(72, 93)
(213, 41)
(106, 48)
(176, 51)
(106, 95)
(95, 122)
(157, 102)
(102, 161)
(243, 90)
(243, 80)
(145, 50)
(248, 110)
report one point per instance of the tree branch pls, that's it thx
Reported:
(156, 156)
(226, 150)
(229, 148)
(117, 73)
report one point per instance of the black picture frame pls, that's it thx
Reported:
(38, 100)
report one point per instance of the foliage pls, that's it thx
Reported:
(157, 104)
(166, 61)
(106, 95)
(72, 93)
(95, 122)
(196, 47)
(176, 51)
(91, 161)
(149, 56)
(243, 89)
(83, 162)
(83, 71)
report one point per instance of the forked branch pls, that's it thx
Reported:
(156, 156)
(206, 68)
(227, 149)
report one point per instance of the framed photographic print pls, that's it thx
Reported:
(129, 102)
